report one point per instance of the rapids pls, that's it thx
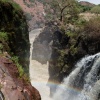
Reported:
(83, 83)
(38, 72)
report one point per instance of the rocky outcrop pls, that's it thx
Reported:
(12, 87)
(42, 46)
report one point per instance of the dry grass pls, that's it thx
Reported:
(87, 16)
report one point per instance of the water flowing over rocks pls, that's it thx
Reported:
(83, 82)
(38, 71)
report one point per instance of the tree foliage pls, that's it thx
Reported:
(92, 28)
(84, 8)
(96, 9)
(63, 9)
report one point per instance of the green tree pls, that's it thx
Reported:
(63, 9)
(96, 10)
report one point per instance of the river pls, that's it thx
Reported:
(38, 72)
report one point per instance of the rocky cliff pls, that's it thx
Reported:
(12, 87)
(14, 54)
(42, 46)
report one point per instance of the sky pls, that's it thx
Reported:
(92, 1)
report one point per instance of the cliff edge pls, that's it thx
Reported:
(14, 54)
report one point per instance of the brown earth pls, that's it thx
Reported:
(12, 86)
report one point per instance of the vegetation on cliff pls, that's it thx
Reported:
(15, 6)
(14, 54)
(14, 32)
(96, 9)
(62, 10)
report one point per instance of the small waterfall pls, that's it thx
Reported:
(83, 83)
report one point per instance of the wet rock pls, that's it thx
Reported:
(42, 45)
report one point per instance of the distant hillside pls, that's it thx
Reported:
(85, 3)
(35, 13)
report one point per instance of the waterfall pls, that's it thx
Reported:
(83, 83)
(38, 72)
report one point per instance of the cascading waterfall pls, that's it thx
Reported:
(83, 83)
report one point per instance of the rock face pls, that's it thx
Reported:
(42, 45)
(11, 86)
(13, 23)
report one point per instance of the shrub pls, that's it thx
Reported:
(96, 10)
(28, 16)
(3, 36)
(85, 8)
(20, 69)
(32, 1)
(15, 5)
(80, 22)
(71, 34)
(4, 39)
(92, 28)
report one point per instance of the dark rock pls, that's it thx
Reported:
(42, 44)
